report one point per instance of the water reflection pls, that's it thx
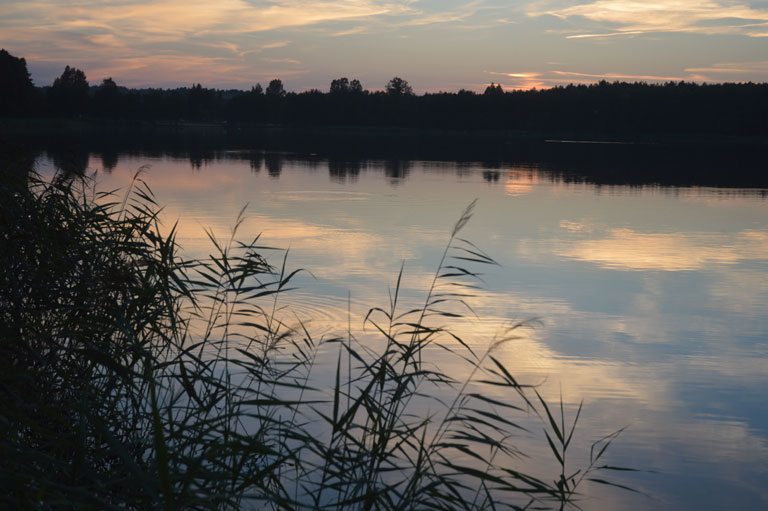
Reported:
(256, 161)
(680, 164)
(631, 250)
(343, 170)
(652, 298)
(274, 164)
(72, 160)
(397, 170)
(109, 160)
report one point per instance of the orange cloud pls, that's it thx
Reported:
(639, 17)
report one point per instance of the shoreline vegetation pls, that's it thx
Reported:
(133, 378)
(614, 111)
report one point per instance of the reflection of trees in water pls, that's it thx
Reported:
(312, 162)
(256, 161)
(199, 158)
(71, 160)
(397, 170)
(343, 170)
(713, 165)
(274, 163)
(463, 169)
(109, 160)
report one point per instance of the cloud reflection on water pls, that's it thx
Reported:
(652, 298)
(627, 249)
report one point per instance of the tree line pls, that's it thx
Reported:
(612, 109)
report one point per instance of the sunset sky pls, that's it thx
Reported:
(434, 44)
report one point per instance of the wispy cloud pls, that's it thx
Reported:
(726, 71)
(350, 31)
(732, 68)
(520, 80)
(212, 71)
(116, 34)
(241, 52)
(609, 34)
(546, 79)
(632, 17)
(181, 17)
(619, 76)
(281, 61)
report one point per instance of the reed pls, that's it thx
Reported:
(134, 378)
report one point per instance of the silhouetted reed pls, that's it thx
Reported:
(133, 378)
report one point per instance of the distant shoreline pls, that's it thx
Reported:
(43, 126)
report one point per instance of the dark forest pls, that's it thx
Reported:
(616, 109)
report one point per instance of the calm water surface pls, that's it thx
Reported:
(652, 300)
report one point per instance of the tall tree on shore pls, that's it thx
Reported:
(340, 86)
(494, 89)
(16, 87)
(275, 88)
(107, 99)
(355, 87)
(398, 87)
(69, 93)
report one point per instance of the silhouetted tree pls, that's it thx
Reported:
(106, 99)
(494, 90)
(69, 93)
(604, 109)
(203, 103)
(355, 87)
(275, 88)
(16, 87)
(398, 87)
(340, 86)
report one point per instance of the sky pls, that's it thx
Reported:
(434, 44)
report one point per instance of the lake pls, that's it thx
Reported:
(651, 297)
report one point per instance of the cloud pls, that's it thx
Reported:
(726, 71)
(522, 80)
(350, 31)
(553, 78)
(610, 34)
(732, 68)
(632, 17)
(213, 71)
(281, 61)
(129, 39)
(619, 76)
(181, 17)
